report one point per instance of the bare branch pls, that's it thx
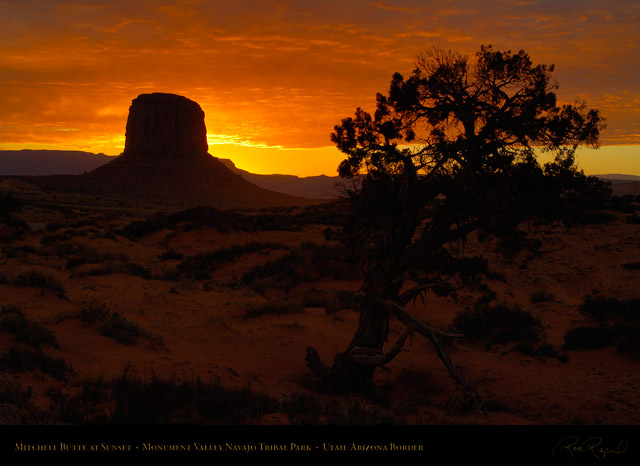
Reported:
(375, 357)
(435, 337)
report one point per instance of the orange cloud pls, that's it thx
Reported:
(278, 75)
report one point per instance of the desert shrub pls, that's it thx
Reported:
(61, 237)
(9, 205)
(14, 320)
(274, 307)
(209, 217)
(331, 300)
(79, 254)
(512, 243)
(18, 251)
(94, 313)
(605, 310)
(138, 270)
(17, 360)
(628, 339)
(499, 324)
(594, 217)
(635, 219)
(307, 262)
(170, 254)
(226, 221)
(282, 219)
(157, 401)
(191, 219)
(120, 329)
(631, 265)
(589, 337)
(113, 325)
(139, 228)
(54, 226)
(36, 279)
(617, 323)
(200, 265)
(540, 350)
(310, 410)
(623, 204)
(110, 267)
(542, 296)
(12, 392)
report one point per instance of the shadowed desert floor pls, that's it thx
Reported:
(218, 317)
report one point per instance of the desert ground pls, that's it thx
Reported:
(188, 314)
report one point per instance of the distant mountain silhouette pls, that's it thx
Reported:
(623, 185)
(49, 162)
(166, 158)
(313, 187)
(615, 177)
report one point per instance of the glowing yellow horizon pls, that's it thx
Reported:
(262, 159)
(274, 83)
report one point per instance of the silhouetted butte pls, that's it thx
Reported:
(166, 158)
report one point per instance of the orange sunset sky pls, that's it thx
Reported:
(274, 76)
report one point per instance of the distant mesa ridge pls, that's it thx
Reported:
(166, 158)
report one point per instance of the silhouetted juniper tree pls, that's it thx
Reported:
(452, 149)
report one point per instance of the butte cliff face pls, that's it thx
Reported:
(166, 158)
(165, 125)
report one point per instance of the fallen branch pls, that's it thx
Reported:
(435, 336)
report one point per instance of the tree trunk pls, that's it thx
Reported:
(348, 374)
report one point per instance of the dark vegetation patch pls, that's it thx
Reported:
(282, 306)
(111, 267)
(605, 310)
(35, 279)
(308, 262)
(66, 235)
(498, 324)
(501, 324)
(12, 393)
(631, 265)
(14, 320)
(156, 401)
(14, 359)
(78, 254)
(304, 409)
(634, 219)
(616, 322)
(331, 301)
(10, 206)
(18, 251)
(624, 204)
(153, 400)
(228, 221)
(113, 325)
(541, 297)
(170, 254)
(200, 266)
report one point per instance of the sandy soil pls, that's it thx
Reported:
(205, 331)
